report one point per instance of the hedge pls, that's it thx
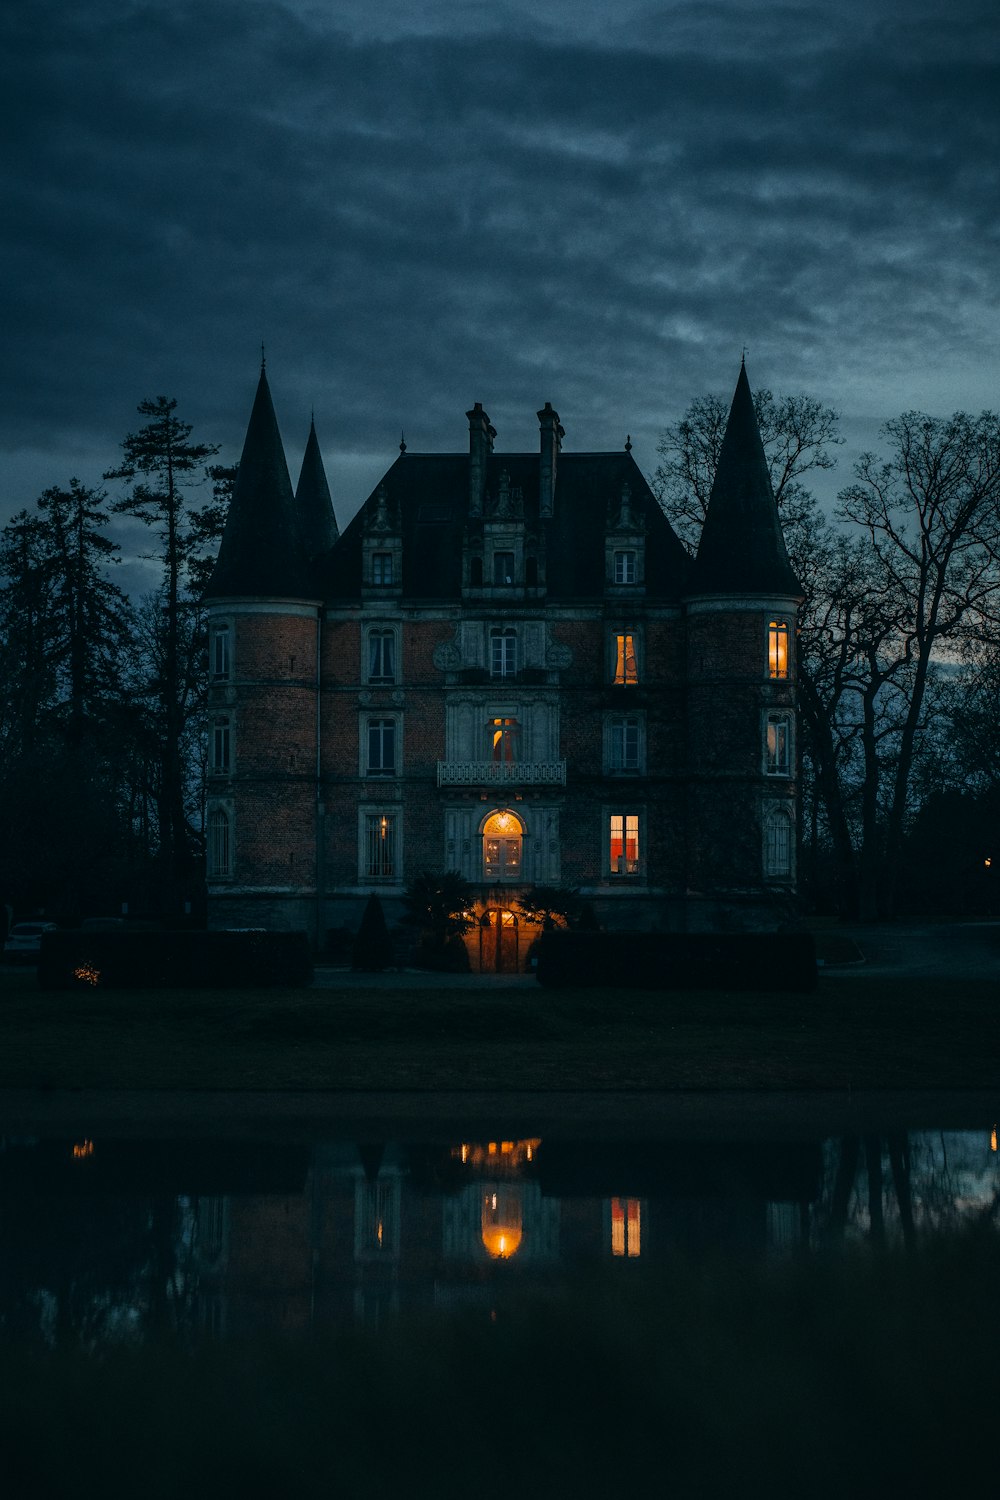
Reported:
(174, 960)
(678, 960)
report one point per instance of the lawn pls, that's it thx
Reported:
(852, 1032)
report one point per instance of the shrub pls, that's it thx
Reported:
(372, 949)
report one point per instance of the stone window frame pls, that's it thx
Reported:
(507, 634)
(381, 628)
(624, 632)
(779, 752)
(367, 719)
(369, 813)
(625, 811)
(220, 651)
(624, 717)
(219, 815)
(220, 746)
(383, 570)
(778, 840)
(624, 561)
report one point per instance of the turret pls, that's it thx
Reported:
(313, 502)
(741, 607)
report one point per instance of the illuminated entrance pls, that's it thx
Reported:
(502, 847)
(498, 942)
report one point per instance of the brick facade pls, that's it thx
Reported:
(516, 638)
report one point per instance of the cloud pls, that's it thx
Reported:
(598, 208)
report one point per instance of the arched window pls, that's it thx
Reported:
(778, 844)
(502, 847)
(219, 844)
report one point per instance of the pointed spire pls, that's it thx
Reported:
(312, 499)
(742, 549)
(261, 554)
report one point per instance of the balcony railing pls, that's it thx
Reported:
(501, 773)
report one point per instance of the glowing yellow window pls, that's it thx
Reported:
(626, 671)
(624, 843)
(777, 648)
(626, 1227)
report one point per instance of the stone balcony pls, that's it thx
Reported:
(501, 773)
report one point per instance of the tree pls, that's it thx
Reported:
(931, 514)
(372, 950)
(161, 463)
(440, 905)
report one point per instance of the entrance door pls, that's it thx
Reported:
(502, 847)
(498, 942)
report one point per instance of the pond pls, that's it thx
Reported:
(106, 1236)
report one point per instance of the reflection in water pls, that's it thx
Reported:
(115, 1240)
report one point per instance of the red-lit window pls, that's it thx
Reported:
(624, 843)
(626, 1227)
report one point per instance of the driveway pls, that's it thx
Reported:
(953, 950)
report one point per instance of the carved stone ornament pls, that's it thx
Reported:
(380, 521)
(447, 657)
(558, 657)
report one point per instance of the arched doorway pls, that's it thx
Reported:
(502, 847)
(498, 935)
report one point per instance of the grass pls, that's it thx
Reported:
(853, 1032)
(867, 1375)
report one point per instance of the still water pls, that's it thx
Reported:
(107, 1238)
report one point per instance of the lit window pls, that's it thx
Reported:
(503, 653)
(777, 648)
(503, 567)
(381, 569)
(381, 656)
(623, 743)
(218, 846)
(376, 1220)
(380, 846)
(503, 739)
(219, 653)
(219, 762)
(626, 671)
(381, 747)
(502, 847)
(626, 1227)
(624, 830)
(624, 567)
(778, 844)
(778, 745)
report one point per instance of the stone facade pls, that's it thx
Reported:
(506, 666)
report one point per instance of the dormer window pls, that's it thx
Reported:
(503, 567)
(382, 569)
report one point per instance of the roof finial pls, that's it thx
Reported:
(743, 358)
(628, 442)
(263, 361)
(402, 442)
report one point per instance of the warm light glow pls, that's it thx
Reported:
(987, 862)
(777, 648)
(506, 1157)
(501, 1222)
(378, 1233)
(384, 824)
(83, 1149)
(626, 1227)
(87, 974)
(626, 670)
(465, 1153)
(993, 1139)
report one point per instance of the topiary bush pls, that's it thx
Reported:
(678, 960)
(249, 959)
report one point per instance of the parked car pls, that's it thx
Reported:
(24, 943)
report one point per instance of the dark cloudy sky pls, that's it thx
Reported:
(419, 204)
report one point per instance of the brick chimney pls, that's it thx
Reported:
(481, 436)
(551, 435)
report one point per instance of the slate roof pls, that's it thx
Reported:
(313, 501)
(263, 553)
(742, 549)
(430, 495)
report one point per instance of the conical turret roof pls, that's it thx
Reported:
(313, 502)
(262, 553)
(742, 549)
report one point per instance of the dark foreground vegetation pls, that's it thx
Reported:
(852, 1032)
(861, 1375)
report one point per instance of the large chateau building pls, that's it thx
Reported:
(507, 666)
